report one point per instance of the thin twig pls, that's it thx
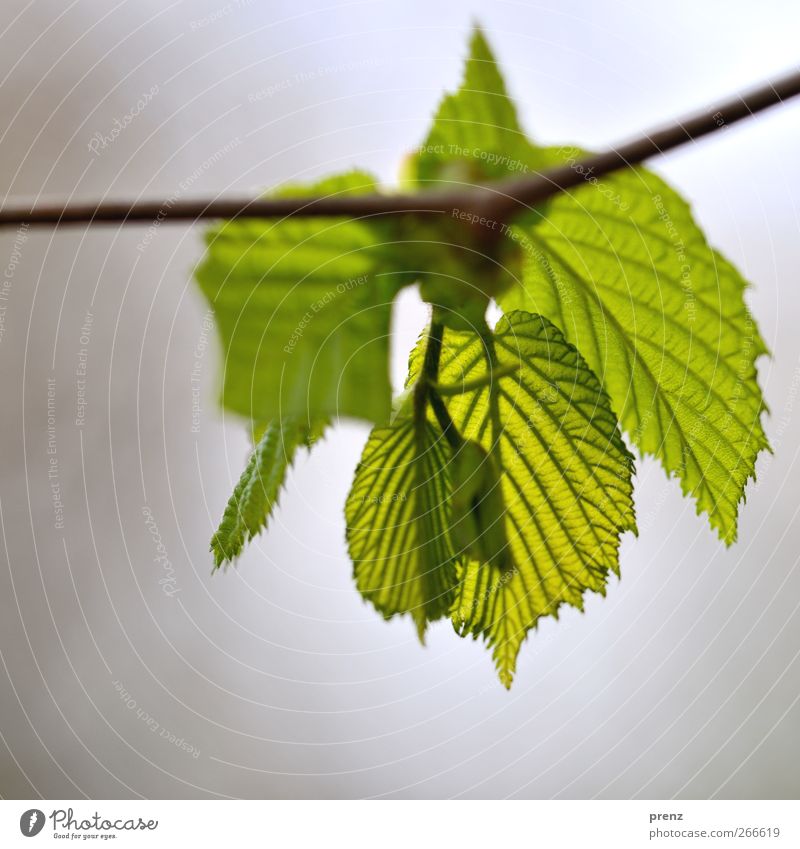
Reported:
(496, 201)
(531, 191)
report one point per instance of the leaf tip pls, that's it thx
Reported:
(421, 623)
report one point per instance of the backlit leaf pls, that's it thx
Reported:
(565, 478)
(397, 522)
(256, 493)
(622, 268)
(303, 309)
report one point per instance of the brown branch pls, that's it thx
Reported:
(531, 191)
(495, 202)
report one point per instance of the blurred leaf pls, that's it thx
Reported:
(303, 309)
(256, 493)
(476, 134)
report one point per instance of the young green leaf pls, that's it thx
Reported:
(477, 519)
(303, 310)
(623, 269)
(476, 135)
(625, 272)
(565, 478)
(256, 493)
(510, 498)
(397, 522)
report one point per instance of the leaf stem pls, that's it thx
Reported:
(495, 372)
(425, 392)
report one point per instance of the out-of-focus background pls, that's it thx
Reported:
(129, 670)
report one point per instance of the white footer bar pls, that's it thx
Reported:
(404, 824)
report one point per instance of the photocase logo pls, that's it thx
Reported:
(31, 822)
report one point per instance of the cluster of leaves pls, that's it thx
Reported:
(497, 486)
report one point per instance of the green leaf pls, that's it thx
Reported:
(303, 311)
(477, 520)
(476, 135)
(397, 522)
(521, 508)
(620, 265)
(622, 268)
(565, 476)
(256, 493)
